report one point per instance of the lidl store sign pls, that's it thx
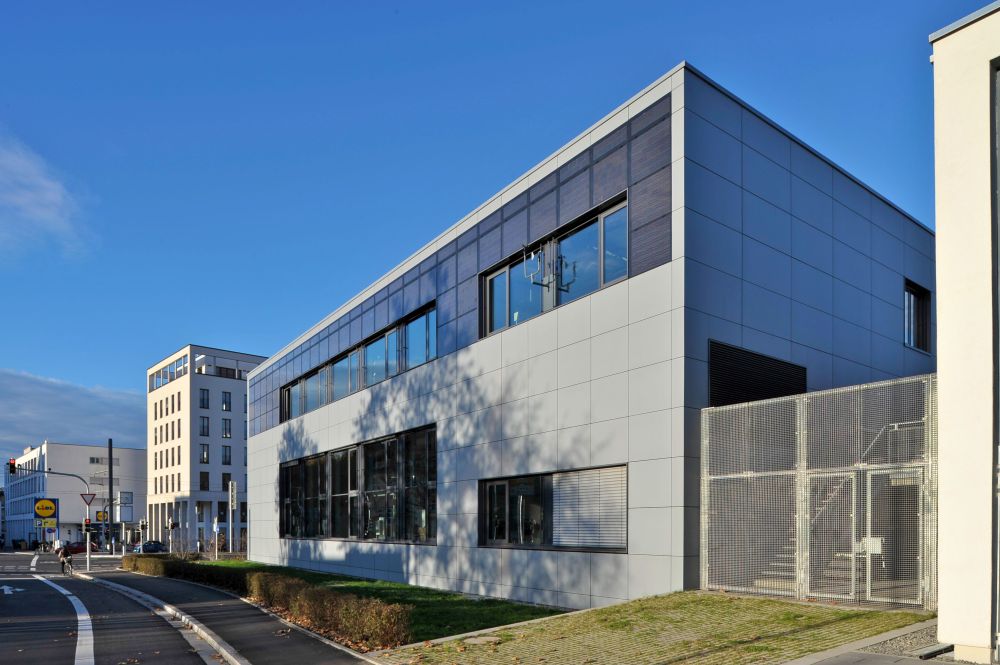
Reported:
(46, 508)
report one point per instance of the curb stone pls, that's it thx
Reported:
(357, 654)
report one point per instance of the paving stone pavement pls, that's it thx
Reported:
(861, 658)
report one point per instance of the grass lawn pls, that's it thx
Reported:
(692, 627)
(435, 613)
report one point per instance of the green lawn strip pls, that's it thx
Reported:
(435, 613)
(689, 627)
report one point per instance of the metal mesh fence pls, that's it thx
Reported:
(827, 495)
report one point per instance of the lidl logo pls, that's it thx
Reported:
(45, 508)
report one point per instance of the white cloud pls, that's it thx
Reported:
(35, 408)
(35, 206)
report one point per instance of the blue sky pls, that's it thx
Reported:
(228, 173)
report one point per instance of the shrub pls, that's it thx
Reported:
(366, 623)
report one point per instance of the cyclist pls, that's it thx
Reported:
(65, 558)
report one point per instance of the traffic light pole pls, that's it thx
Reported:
(87, 542)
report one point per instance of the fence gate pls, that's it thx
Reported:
(830, 495)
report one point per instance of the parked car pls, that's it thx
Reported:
(80, 547)
(150, 547)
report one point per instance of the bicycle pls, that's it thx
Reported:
(68, 567)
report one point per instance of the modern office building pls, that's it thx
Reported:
(89, 462)
(513, 411)
(966, 116)
(196, 419)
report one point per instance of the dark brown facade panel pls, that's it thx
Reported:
(650, 198)
(649, 246)
(542, 217)
(650, 151)
(610, 175)
(574, 197)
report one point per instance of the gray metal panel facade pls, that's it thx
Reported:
(736, 233)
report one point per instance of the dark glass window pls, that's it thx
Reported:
(375, 369)
(378, 512)
(421, 339)
(525, 290)
(294, 400)
(343, 490)
(312, 392)
(226, 478)
(203, 426)
(384, 490)
(203, 458)
(917, 316)
(616, 245)
(227, 401)
(577, 264)
(420, 487)
(416, 342)
(203, 398)
(227, 428)
(497, 297)
(355, 362)
(341, 379)
(203, 481)
(584, 509)
(315, 497)
(526, 513)
(392, 353)
(227, 455)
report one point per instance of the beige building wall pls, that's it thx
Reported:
(962, 59)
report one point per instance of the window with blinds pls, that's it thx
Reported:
(585, 509)
(589, 508)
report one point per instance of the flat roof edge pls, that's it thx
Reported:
(780, 128)
(964, 21)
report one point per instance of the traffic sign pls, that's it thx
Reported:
(38, 524)
(47, 508)
(102, 515)
(49, 523)
(50, 530)
(87, 498)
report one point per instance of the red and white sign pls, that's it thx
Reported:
(87, 498)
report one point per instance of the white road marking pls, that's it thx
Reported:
(84, 628)
(9, 590)
(34, 562)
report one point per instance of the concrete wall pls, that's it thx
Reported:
(585, 385)
(962, 110)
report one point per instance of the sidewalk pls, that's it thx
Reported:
(258, 637)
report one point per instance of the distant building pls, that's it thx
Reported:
(196, 414)
(89, 461)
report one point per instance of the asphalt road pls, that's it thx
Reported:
(44, 617)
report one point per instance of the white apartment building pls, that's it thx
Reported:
(196, 414)
(89, 462)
